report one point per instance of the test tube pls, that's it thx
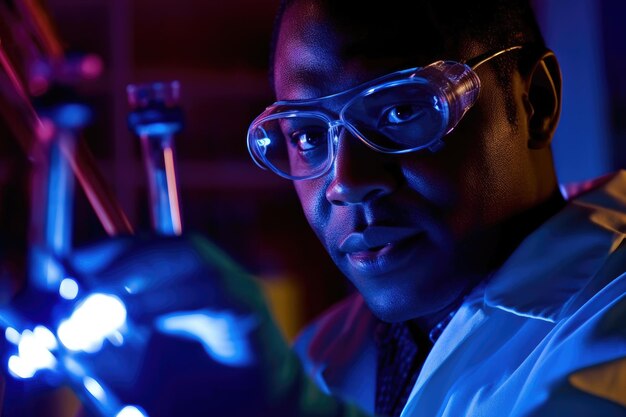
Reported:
(53, 191)
(155, 118)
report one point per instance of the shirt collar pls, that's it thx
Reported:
(555, 262)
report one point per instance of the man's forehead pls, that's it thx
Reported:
(305, 71)
(316, 56)
(370, 34)
(302, 67)
(407, 27)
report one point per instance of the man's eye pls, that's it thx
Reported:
(309, 139)
(403, 113)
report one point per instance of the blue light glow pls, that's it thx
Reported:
(58, 222)
(131, 411)
(263, 143)
(135, 284)
(94, 319)
(95, 389)
(72, 116)
(116, 339)
(33, 353)
(68, 289)
(45, 337)
(20, 368)
(158, 129)
(51, 271)
(73, 367)
(12, 335)
(223, 335)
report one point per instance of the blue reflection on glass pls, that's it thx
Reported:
(159, 128)
(34, 353)
(45, 337)
(223, 335)
(72, 115)
(20, 368)
(131, 411)
(95, 389)
(12, 335)
(92, 321)
(116, 339)
(263, 143)
(68, 289)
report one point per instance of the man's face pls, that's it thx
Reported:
(412, 232)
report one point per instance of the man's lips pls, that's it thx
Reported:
(380, 250)
(375, 238)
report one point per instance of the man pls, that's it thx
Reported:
(481, 292)
(459, 239)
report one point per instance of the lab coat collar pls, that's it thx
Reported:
(555, 262)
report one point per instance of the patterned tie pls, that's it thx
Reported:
(401, 355)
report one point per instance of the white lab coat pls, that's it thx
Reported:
(545, 336)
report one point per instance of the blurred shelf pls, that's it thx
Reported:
(232, 175)
(240, 82)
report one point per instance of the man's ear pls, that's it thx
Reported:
(544, 99)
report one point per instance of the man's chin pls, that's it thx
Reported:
(395, 305)
(390, 316)
(395, 311)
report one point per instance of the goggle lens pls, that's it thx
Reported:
(396, 117)
(403, 112)
(294, 145)
(399, 117)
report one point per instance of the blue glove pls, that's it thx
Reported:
(179, 330)
(163, 327)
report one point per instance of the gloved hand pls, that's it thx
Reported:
(198, 339)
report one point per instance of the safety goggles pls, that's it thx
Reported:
(401, 112)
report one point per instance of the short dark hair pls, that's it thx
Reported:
(410, 28)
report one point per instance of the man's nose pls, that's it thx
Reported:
(360, 174)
